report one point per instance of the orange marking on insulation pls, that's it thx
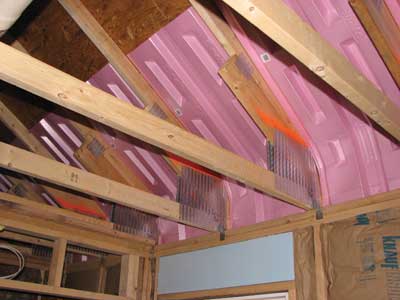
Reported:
(80, 208)
(194, 166)
(274, 123)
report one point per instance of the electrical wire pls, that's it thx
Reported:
(21, 261)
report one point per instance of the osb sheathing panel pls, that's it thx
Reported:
(49, 34)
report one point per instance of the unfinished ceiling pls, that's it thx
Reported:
(187, 64)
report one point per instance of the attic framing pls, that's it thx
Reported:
(60, 228)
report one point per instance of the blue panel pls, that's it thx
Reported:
(263, 260)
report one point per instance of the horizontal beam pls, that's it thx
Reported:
(28, 163)
(45, 81)
(290, 223)
(34, 226)
(41, 289)
(286, 28)
(23, 134)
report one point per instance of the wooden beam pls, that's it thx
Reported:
(129, 73)
(28, 73)
(47, 212)
(107, 162)
(331, 214)
(15, 159)
(40, 289)
(287, 29)
(57, 262)
(253, 93)
(14, 221)
(24, 135)
(264, 288)
(128, 282)
(241, 77)
(320, 280)
(18, 160)
(124, 67)
(378, 38)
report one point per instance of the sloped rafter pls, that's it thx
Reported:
(30, 74)
(378, 38)
(287, 29)
(125, 68)
(241, 74)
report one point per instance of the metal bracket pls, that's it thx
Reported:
(319, 215)
(221, 230)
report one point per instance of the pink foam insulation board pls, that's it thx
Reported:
(181, 62)
(355, 158)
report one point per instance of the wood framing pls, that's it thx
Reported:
(23, 134)
(129, 73)
(275, 287)
(57, 262)
(28, 73)
(107, 162)
(128, 282)
(34, 165)
(330, 214)
(79, 236)
(47, 212)
(21, 286)
(377, 37)
(320, 282)
(25, 162)
(287, 29)
(121, 63)
(242, 75)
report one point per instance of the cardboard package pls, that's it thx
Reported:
(361, 257)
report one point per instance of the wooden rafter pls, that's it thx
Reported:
(378, 38)
(125, 68)
(287, 29)
(28, 73)
(242, 75)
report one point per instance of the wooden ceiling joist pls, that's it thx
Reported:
(28, 163)
(20, 286)
(45, 81)
(23, 134)
(47, 212)
(286, 28)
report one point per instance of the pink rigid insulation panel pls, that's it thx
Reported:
(355, 159)
(182, 61)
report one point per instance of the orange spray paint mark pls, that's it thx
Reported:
(274, 123)
(80, 208)
(194, 166)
